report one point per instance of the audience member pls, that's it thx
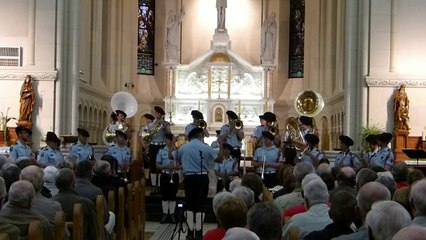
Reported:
(232, 213)
(316, 217)
(264, 219)
(346, 180)
(411, 232)
(218, 232)
(10, 173)
(238, 233)
(400, 174)
(50, 173)
(295, 198)
(324, 168)
(67, 198)
(367, 195)
(245, 194)
(418, 202)
(388, 182)
(328, 180)
(11, 230)
(253, 182)
(287, 180)
(402, 195)
(342, 212)
(101, 178)
(18, 210)
(365, 175)
(385, 219)
(234, 184)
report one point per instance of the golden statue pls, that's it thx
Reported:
(401, 109)
(27, 100)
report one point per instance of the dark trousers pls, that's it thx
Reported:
(196, 191)
(168, 189)
(236, 153)
(221, 183)
(152, 155)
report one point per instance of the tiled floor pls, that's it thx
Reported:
(158, 231)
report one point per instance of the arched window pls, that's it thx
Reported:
(146, 34)
(297, 39)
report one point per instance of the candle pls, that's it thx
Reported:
(245, 155)
(423, 136)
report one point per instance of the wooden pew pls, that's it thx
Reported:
(60, 226)
(111, 201)
(100, 214)
(121, 229)
(34, 231)
(132, 229)
(77, 224)
(4, 236)
(142, 211)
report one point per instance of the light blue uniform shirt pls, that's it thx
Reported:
(272, 155)
(50, 157)
(163, 156)
(83, 152)
(189, 156)
(257, 132)
(372, 158)
(123, 155)
(19, 149)
(231, 140)
(385, 157)
(317, 153)
(349, 160)
(189, 128)
(228, 166)
(160, 136)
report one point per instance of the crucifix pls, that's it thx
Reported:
(221, 15)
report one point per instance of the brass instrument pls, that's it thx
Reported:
(263, 167)
(171, 172)
(308, 103)
(202, 124)
(238, 124)
(147, 135)
(273, 128)
(294, 132)
(302, 154)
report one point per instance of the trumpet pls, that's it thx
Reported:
(302, 154)
(273, 128)
(263, 167)
(238, 124)
(171, 173)
(202, 124)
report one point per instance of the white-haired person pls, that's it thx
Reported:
(219, 232)
(418, 203)
(239, 233)
(245, 194)
(264, 219)
(412, 232)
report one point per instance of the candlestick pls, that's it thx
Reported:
(245, 156)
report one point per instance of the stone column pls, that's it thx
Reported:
(73, 63)
(267, 88)
(31, 32)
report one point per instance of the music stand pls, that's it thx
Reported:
(414, 153)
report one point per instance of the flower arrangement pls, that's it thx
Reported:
(4, 119)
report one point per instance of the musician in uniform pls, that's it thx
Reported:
(51, 154)
(231, 135)
(371, 156)
(226, 169)
(306, 125)
(196, 116)
(215, 144)
(311, 154)
(121, 152)
(268, 159)
(346, 158)
(149, 120)
(196, 158)
(157, 140)
(257, 132)
(21, 148)
(119, 124)
(169, 180)
(82, 149)
(385, 156)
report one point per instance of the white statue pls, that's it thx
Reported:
(172, 36)
(269, 39)
(221, 14)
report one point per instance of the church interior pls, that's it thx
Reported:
(352, 57)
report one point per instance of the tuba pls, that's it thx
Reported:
(147, 135)
(293, 130)
(273, 128)
(120, 101)
(308, 103)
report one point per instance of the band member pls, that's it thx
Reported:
(268, 159)
(113, 117)
(196, 116)
(306, 125)
(346, 158)
(226, 169)
(196, 157)
(371, 156)
(257, 132)
(158, 131)
(21, 148)
(231, 135)
(119, 124)
(121, 152)
(169, 180)
(149, 120)
(385, 156)
(51, 154)
(215, 144)
(82, 149)
(311, 154)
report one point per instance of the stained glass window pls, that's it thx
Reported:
(146, 33)
(297, 39)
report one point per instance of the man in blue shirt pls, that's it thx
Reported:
(21, 148)
(371, 156)
(51, 154)
(386, 159)
(196, 116)
(268, 159)
(346, 158)
(121, 152)
(196, 158)
(226, 169)
(82, 149)
(257, 132)
(311, 154)
(231, 135)
(215, 144)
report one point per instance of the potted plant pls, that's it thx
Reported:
(3, 125)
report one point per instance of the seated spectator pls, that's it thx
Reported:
(218, 232)
(378, 169)
(9, 229)
(253, 182)
(85, 188)
(18, 211)
(328, 180)
(367, 195)
(316, 217)
(100, 177)
(10, 173)
(400, 174)
(238, 233)
(346, 180)
(385, 219)
(324, 168)
(412, 232)
(245, 194)
(286, 179)
(264, 219)
(418, 203)
(50, 173)
(67, 198)
(342, 212)
(232, 213)
(113, 163)
(24, 162)
(388, 182)
(295, 198)
(234, 184)
(402, 195)
(364, 176)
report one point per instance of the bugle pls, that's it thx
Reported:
(238, 124)
(263, 168)
(202, 124)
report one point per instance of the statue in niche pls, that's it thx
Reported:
(172, 36)
(27, 101)
(401, 109)
(269, 39)
(218, 115)
(221, 14)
